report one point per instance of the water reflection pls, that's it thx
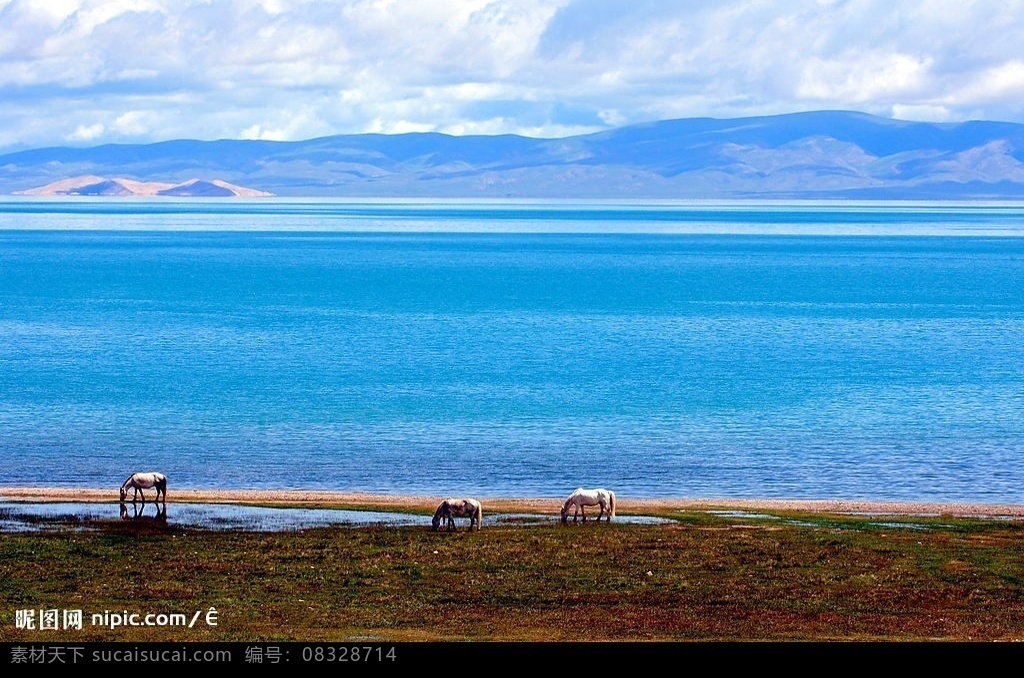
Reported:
(137, 514)
(31, 516)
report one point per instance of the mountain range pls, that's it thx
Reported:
(100, 186)
(820, 154)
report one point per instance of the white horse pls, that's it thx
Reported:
(581, 498)
(449, 508)
(144, 481)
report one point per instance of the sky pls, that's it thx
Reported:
(88, 72)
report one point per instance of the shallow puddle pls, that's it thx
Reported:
(742, 514)
(34, 516)
(750, 515)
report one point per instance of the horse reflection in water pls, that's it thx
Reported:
(137, 514)
(450, 508)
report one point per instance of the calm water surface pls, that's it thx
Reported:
(870, 351)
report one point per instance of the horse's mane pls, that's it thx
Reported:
(568, 502)
(126, 481)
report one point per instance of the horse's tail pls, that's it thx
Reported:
(479, 515)
(161, 484)
(611, 502)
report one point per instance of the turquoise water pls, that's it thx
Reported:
(871, 351)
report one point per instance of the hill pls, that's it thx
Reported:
(98, 186)
(823, 154)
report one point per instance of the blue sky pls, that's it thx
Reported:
(85, 72)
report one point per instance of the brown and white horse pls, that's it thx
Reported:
(581, 498)
(144, 481)
(450, 508)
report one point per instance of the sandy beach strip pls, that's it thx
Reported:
(326, 499)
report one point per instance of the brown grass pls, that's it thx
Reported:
(705, 578)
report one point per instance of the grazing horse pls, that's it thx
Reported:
(449, 508)
(580, 498)
(144, 481)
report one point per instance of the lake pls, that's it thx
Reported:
(722, 350)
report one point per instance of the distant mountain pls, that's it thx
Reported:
(824, 154)
(94, 185)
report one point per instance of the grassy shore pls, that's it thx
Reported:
(817, 576)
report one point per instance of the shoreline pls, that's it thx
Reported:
(332, 498)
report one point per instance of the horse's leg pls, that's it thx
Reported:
(583, 510)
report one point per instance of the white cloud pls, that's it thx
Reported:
(257, 132)
(921, 112)
(862, 78)
(391, 126)
(509, 126)
(134, 123)
(1000, 82)
(154, 69)
(612, 117)
(286, 125)
(87, 132)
